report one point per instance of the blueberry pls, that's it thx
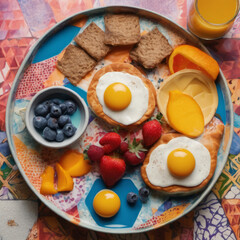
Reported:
(52, 123)
(132, 198)
(55, 111)
(71, 107)
(56, 101)
(63, 107)
(64, 119)
(49, 134)
(41, 110)
(69, 130)
(60, 135)
(48, 103)
(143, 194)
(39, 122)
(48, 116)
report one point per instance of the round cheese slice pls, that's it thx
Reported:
(193, 83)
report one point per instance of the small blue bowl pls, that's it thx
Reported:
(62, 93)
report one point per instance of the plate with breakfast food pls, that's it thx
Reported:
(119, 120)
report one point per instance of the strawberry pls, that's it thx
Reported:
(110, 142)
(135, 153)
(151, 132)
(111, 169)
(123, 147)
(95, 153)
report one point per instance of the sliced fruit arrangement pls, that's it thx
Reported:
(71, 164)
(189, 57)
(193, 83)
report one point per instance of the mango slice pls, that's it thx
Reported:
(184, 114)
(65, 181)
(73, 162)
(47, 186)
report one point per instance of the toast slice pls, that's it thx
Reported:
(121, 29)
(92, 41)
(151, 50)
(75, 64)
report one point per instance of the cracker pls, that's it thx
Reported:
(121, 29)
(92, 41)
(151, 50)
(75, 64)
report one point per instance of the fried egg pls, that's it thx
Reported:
(182, 161)
(123, 96)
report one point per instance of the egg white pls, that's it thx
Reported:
(157, 170)
(139, 102)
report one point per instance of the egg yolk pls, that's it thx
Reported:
(180, 162)
(117, 96)
(106, 203)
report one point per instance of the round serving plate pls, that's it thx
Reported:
(38, 71)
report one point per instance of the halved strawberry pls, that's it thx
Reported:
(110, 142)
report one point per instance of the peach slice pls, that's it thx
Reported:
(73, 162)
(184, 114)
(47, 186)
(65, 181)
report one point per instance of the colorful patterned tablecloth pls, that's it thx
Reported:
(22, 216)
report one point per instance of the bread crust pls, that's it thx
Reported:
(127, 68)
(211, 139)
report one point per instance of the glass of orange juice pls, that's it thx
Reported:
(211, 19)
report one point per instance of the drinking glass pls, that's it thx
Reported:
(211, 19)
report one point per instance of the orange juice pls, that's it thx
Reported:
(211, 19)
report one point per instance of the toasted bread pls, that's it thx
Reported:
(151, 50)
(75, 64)
(92, 41)
(121, 29)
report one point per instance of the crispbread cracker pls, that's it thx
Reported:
(151, 50)
(121, 29)
(211, 139)
(92, 41)
(120, 67)
(75, 64)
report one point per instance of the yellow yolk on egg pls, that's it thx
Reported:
(117, 96)
(184, 114)
(106, 203)
(181, 162)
